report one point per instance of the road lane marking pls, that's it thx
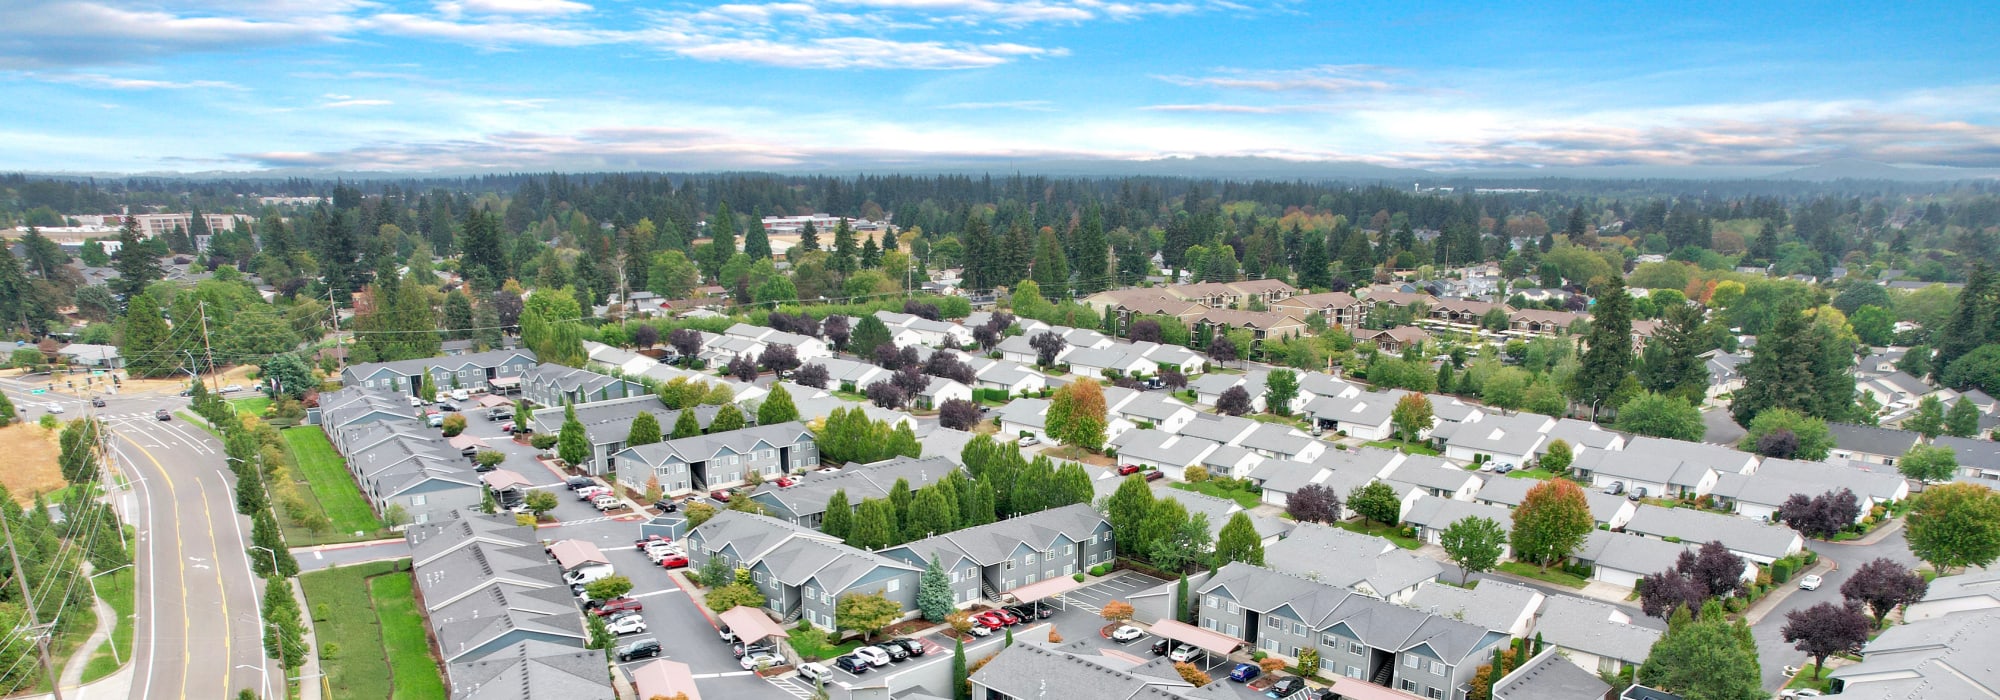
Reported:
(654, 593)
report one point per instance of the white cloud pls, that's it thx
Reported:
(493, 35)
(44, 33)
(118, 83)
(1320, 79)
(1023, 105)
(345, 101)
(1221, 108)
(454, 8)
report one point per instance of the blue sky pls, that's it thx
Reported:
(478, 85)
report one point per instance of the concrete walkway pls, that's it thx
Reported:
(107, 620)
(310, 676)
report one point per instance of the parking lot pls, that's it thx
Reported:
(1091, 598)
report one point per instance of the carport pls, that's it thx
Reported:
(750, 624)
(571, 554)
(504, 479)
(493, 401)
(1357, 689)
(665, 679)
(1209, 641)
(1042, 590)
(505, 385)
(467, 444)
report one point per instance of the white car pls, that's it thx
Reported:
(1127, 633)
(1799, 693)
(55, 407)
(1027, 440)
(1183, 653)
(875, 657)
(627, 625)
(752, 662)
(814, 671)
(590, 493)
(460, 395)
(606, 502)
(657, 553)
(1811, 582)
(231, 389)
(979, 630)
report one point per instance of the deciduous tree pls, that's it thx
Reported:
(1827, 629)
(1474, 544)
(1239, 541)
(1376, 501)
(1884, 585)
(1234, 401)
(1314, 503)
(1551, 522)
(1955, 525)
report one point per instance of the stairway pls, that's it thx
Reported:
(1384, 674)
(986, 587)
(794, 615)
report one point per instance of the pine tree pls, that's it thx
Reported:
(458, 320)
(134, 262)
(874, 525)
(757, 242)
(1051, 270)
(934, 592)
(722, 232)
(645, 430)
(686, 426)
(1672, 363)
(1971, 322)
(1313, 262)
(808, 239)
(572, 444)
(1090, 253)
(961, 681)
(1607, 354)
(777, 407)
(838, 518)
(844, 249)
(148, 344)
(871, 255)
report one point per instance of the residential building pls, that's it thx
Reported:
(1394, 340)
(1494, 604)
(1547, 676)
(1208, 388)
(1976, 590)
(1337, 308)
(1036, 671)
(353, 406)
(498, 370)
(1262, 325)
(406, 466)
(1357, 637)
(1147, 409)
(939, 391)
(1340, 470)
(1622, 559)
(534, 669)
(1161, 450)
(1761, 493)
(606, 424)
(1370, 565)
(88, 355)
(1608, 510)
(807, 347)
(1024, 417)
(1662, 466)
(1759, 542)
(805, 503)
(1511, 439)
(1431, 515)
(1437, 478)
(718, 460)
(802, 572)
(1542, 322)
(1978, 460)
(1867, 443)
(1724, 371)
(1231, 295)
(995, 560)
(1945, 657)
(1215, 509)
(1366, 416)
(1597, 637)
(550, 384)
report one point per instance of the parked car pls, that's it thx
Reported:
(1155, 475)
(815, 672)
(644, 543)
(607, 502)
(991, 620)
(753, 662)
(642, 649)
(896, 652)
(1616, 488)
(1160, 646)
(97, 401)
(1244, 673)
(1183, 653)
(1127, 633)
(1027, 440)
(915, 647)
(507, 427)
(1790, 693)
(979, 630)
(674, 561)
(1488, 466)
(785, 482)
(460, 394)
(720, 496)
(1011, 618)
(577, 482)
(763, 647)
(447, 407)
(667, 505)
(1286, 687)
(627, 625)
(727, 635)
(1637, 493)
(615, 605)
(591, 492)
(500, 413)
(55, 407)
(851, 664)
(1130, 469)
(1810, 582)
(875, 657)
(1030, 611)
(162, 414)
(231, 389)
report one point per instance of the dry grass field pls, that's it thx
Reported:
(31, 461)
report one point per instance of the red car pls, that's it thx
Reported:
(991, 619)
(617, 605)
(1011, 618)
(677, 561)
(1128, 469)
(640, 544)
(507, 427)
(1155, 475)
(785, 482)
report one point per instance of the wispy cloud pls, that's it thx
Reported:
(1022, 105)
(344, 101)
(99, 80)
(1220, 108)
(455, 8)
(1316, 79)
(48, 33)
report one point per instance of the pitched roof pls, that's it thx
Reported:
(1873, 440)
(705, 447)
(1034, 670)
(411, 367)
(1518, 434)
(859, 481)
(1431, 472)
(533, 669)
(1946, 657)
(1549, 676)
(1377, 623)
(1349, 559)
(1738, 534)
(1972, 452)
(1495, 604)
(993, 543)
(1594, 628)
(1629, 553)
(1163, 447)
(1439, 513)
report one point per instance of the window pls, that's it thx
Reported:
(1233, 630)
(1275, 623)
(1208, 623)
(1213, 601)
(1407, 686)
(1433, 693)
(895, 584)
(1299, 628)
(418, 499)
(1352, 672)
(1069, 549)
(1232, 608)
(1355, 649)
(1437, 667)
(954, 577)
(1411, 661)
(1029, 559)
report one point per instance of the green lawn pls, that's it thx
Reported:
(1540, 474)
(371, 638)
(1805, 679)
(403, 636)
(1555, 576)
(330, 483)
(253, 406)
(1409, 447)
(1243, 498)
(117, 591)
(1389, 533)
(1289, 422)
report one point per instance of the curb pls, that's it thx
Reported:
(347, 545)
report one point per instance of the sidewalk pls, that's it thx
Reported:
(107, 620)
(1880, 533)
(309, 674)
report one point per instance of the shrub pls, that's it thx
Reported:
(542, 441)
(1101, 569)
(1781, 570)
(1079, 577)
(1195, 474)
(1192, 674)
(1271, 664)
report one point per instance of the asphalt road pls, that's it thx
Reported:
(197, 632)
(1772, 650)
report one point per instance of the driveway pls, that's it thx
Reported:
(1775, 653)
(1722, 428)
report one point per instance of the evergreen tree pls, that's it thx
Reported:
(6, 411)
(777, 407)
(134, 262)
(930, 514)
(1238, 541)
(838, 518)
(1705, 658)
(148, 346)
(808, 239)
(1971, 322)
(874, 525)
(845, 252)
(868, 334)
(1772, 377)
(722, 233)
(645, 430)
(1928, 419)
(961, 680)
(756, 241)
(458, 322)
(1051, 270)
(1090, 253)
(572, 444)
(727, 419)
(15, 290)
(686, 426)
(1672, 364)
(1607, 354)
(1313, 264)
(934, 592)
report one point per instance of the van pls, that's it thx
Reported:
(586, 574)
(460, 395)
(434, 418)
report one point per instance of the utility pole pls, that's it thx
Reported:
(28, 601)
(333, 305)
(206, 348)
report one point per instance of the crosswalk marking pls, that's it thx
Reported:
(792, 688)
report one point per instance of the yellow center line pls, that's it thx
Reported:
(180, 568)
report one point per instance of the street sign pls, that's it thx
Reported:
(38, 391)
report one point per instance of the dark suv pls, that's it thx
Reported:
(914, 647)
(851, 664)
(642, 649)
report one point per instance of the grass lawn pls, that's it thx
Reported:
(1409, 447)
(813, 645)
(1805, 679)
(331, 485)
(1555, 576)
(1538, 474)
(1243, 498)
(851, 396)
(253, 406)
(403, 637)
(117, 589)
(366, 614)
(1379, 530)
(199, 422)
(1289, 422)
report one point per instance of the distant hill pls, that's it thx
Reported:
(1221, 167)
(1870, 170)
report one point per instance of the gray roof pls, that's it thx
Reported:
(606, 422)
(834, 565)
(1152, 407)
(1662, 461)
(1113, 357)
(1974, 583)
(1439, 513)
(1494, 604)
(1029, 412)
(1370, 408)
(1377, 623)
(1778, 479)
(1549, 676)
(1218, 428)
(1162, 447)
(1431, 472)
(1594, 628)
(1349, 559)
(533, 669)
(1033, 670)
(1741, 535)
(750, 536)
(1277, 439)
(1219, 510)
(412, 367)
(1946, 657)
(1215, 383)
(860, 482)
(1872, 440)
(1972, 452)
(995, 542)
(1226, 456)
(1630, 553)
(705, 447)
(1510, 492)
(1578, 432)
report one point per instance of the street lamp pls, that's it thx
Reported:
(274, 557)
(265, 670)
(94, 596)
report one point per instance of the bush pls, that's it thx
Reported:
(1079, 578)
(1101, 569)
(454, 424)
(542, 441)
(1195, 474)
(1781, 570)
